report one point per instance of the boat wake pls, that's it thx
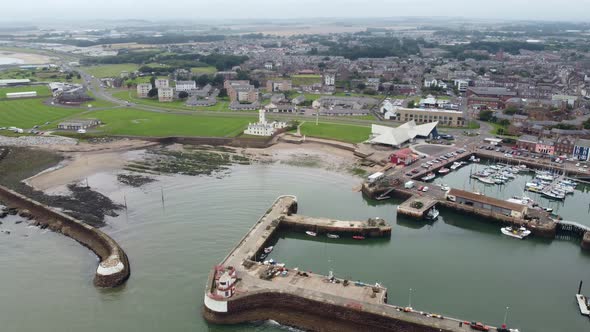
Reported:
(274, 325)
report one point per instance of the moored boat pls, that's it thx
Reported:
(268, 250)
(429, 177)
(358, 237)
(443, 170)
(333, 236)
(432, 214)
(518, 233)
(310, 233)
(485, 180)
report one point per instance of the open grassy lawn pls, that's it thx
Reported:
(129, 121)
(340, 132)
(42, 90)
(98, 103)
(26, 113)
(113, 70)
(131, 96)
(203, 70)
(305, 79)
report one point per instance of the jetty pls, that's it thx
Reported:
(241, 288)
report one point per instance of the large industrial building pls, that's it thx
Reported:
(403, 134)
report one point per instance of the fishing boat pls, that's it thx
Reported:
(432, 214)
(333, 236)
(443, 170)
(518, 233)
(310, 233)
(429, 177)
(268, 250)
(358, 237)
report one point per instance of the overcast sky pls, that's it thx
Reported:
(22, 10)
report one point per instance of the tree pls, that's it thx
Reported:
(153, 81)
(153, 93)
(370, 91)
(361, 86)
(218, 80)
(486, 115)
(203, 80)
(586, 124)
(222, 93)
(183, 95)
(411, 104)
(504, 122)
(243, 75)
(510, 111)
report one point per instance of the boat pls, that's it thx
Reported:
(443, 170)
(519, 233)
(456, 165)
(428, 177)
(432, 214)
(268, 250)
(485, 180)
(444, 187)
(310, 233)
(474, 159)
(358, 237)
(548, 209)
(583, 304)
(553, 195)
(333, 236)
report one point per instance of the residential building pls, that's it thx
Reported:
(461, 85)
(165, 94)
(283, 85)
(162, 83)
(582, 150)
(186, 86)
(545, 146)
(527, 142)
(448, 118)
(329, 79)
(241, 91)
(143, 89)
(571, 101)
(490, 97)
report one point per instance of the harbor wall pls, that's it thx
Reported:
(586, 241)
(113, 269)
(310, 315)
(367, 231)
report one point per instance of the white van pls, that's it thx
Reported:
(81, 131)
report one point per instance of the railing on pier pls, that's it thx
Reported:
(571, 228)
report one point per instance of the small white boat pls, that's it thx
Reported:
(519, 233)
(310, 233)
(554, 195)
(428, 177)
(333, 236)
(443, 170)
(485, 180)
(444, 187)
(432, 214)
(456, 165)
(268, 250)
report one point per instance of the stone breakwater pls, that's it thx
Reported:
(36, 140)
(113, 268)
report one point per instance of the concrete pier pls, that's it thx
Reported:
(303, 299)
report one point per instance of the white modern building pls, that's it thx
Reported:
(263, 128)
(329, 79)
(25, 94)
(162, 83)
(403, 134)
(165, 94)
(186, 85)
(143, 89)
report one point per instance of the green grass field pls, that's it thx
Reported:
(42, 90)
(26, 113)
(131, 96)
(98, 103)
(129, 121)
(110, 70)
(305, 79)
(203, 70)
(340, 132)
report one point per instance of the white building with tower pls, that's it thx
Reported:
(262, 127)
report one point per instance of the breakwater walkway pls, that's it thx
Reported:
(241, 289)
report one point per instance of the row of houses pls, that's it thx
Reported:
(561, 146)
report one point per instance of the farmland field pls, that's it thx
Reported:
(26, 113)
(340, 132)
(129, 121)
(113, 70)
(42, 90)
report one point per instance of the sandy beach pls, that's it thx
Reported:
(27, 58)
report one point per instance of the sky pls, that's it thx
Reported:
(554, 10)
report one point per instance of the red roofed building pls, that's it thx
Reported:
(403, 157)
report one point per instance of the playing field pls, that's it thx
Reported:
(129, 121)
(26, 113)
(203, 70)
(340, 132)
(110, 70)
(305, 79)
(42, 90)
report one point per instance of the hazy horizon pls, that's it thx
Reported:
(64, 10)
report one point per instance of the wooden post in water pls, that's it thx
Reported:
(580, 287)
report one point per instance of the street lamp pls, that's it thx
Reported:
(506, 314)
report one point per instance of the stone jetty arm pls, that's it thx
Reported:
(113, 269)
